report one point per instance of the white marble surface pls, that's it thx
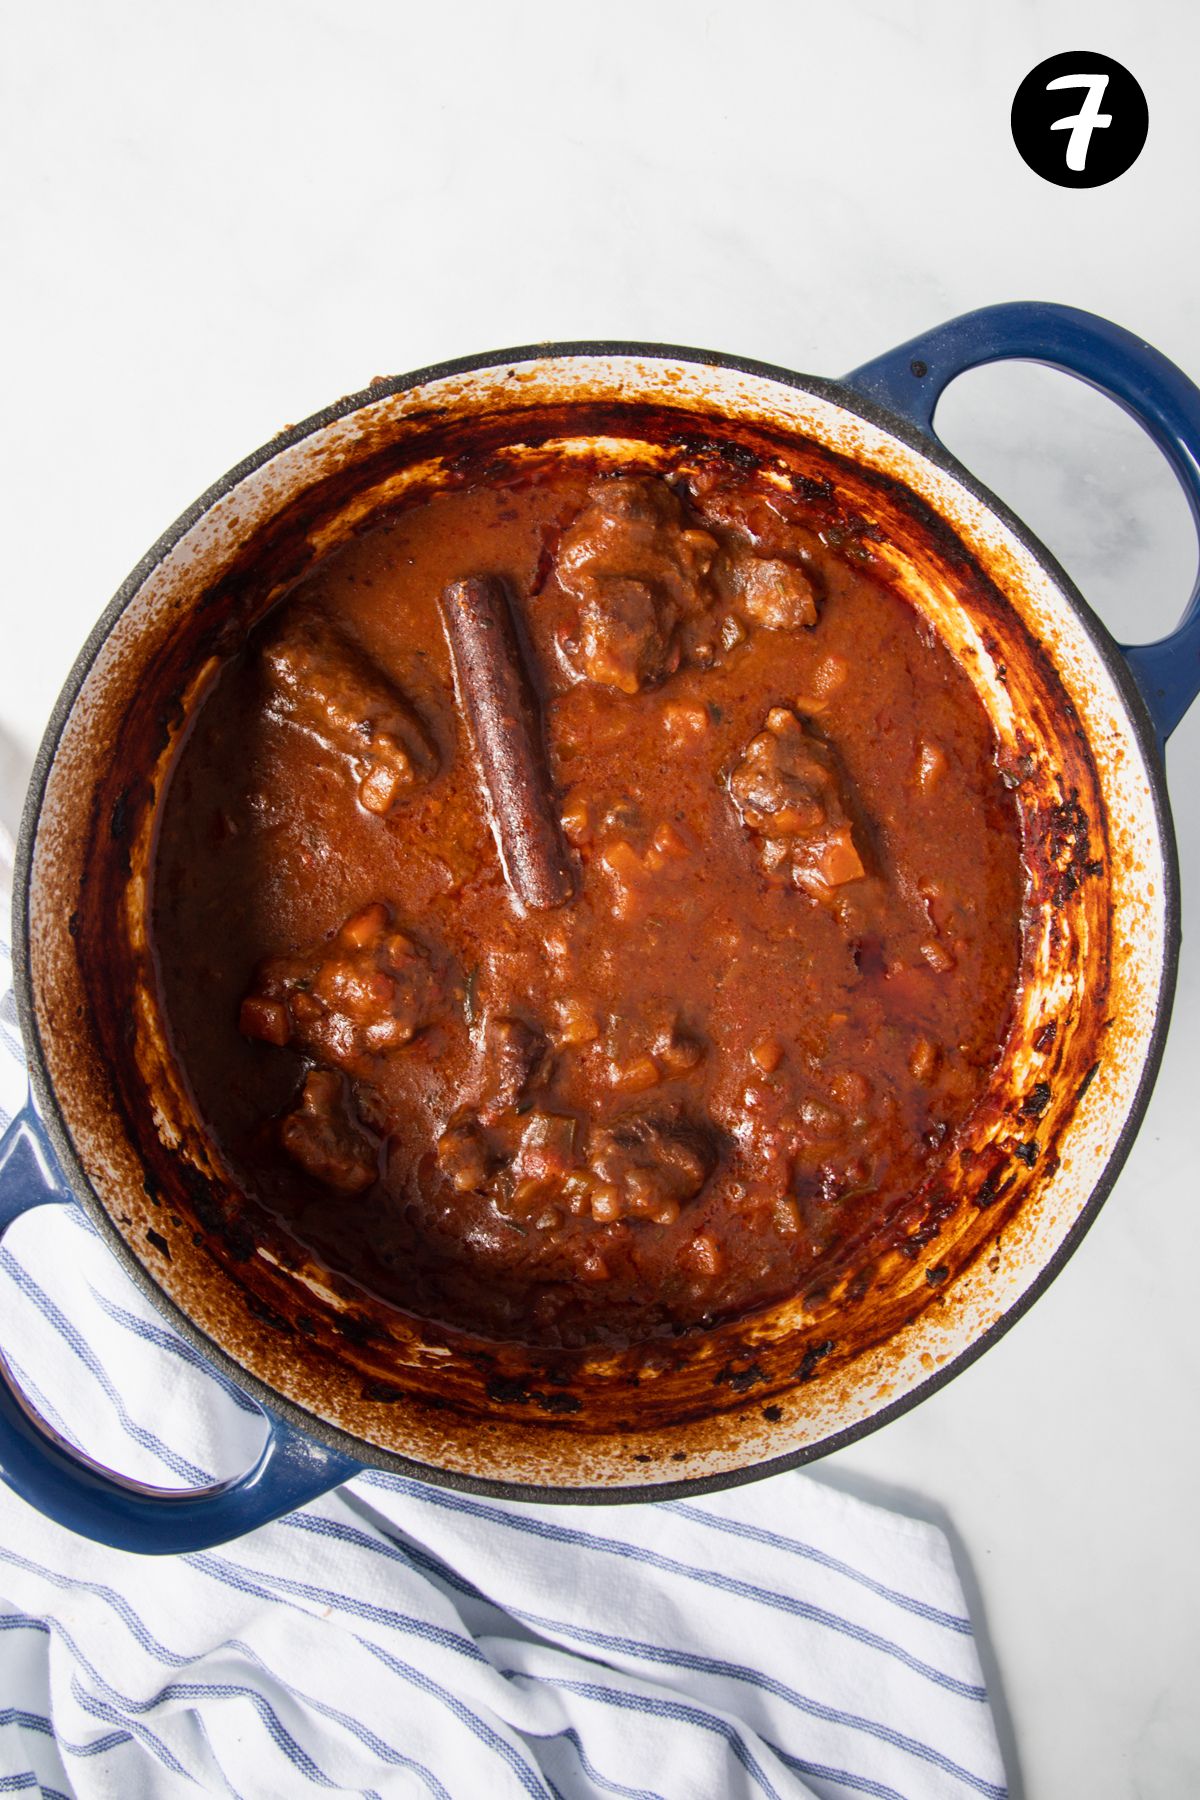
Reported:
(217, 219)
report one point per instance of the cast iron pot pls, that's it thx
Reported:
(343, 1381)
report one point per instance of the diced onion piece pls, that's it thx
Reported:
(576, 817)
(606, 1202)
(677, 1050)
(850, 1088)
(830, 674)
(785, 1216)
(705, 1255)
(821, 1121)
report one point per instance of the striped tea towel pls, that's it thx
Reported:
(396, 1639)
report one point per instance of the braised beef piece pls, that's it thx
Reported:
(767, 519)
(322, 681)
(766, 566)
(787, 789)
(655, 1161)
(513, 1054)
(542, 1166)
(366, 991)
(466, 1155)
(327, 1138)
(769, 590)
(639, 574)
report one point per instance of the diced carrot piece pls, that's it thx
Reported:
(364, 927)
(622, 860)
(804, 814)
(840, 861)
(305, 1007)
(923, 1059)
(378, 789)
(266, 1020)
(634, 1077)
(578, 1022)
(767, 1053)
(669, 843)
(937, 956)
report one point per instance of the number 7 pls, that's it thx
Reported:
(1089, 118)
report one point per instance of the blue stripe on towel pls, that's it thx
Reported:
(681, 1711)
(168, 1341)
(153, 1646)
(655, 1559)
(758, 1534)
(654, 1653)
(530, 1778)
(53, 1314)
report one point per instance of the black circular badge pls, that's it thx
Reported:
(1080, 119)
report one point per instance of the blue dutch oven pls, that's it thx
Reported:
(110, 1128)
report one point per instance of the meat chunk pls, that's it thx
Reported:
(366, 991)
(465, 1155)
(771, 591)
(326, 1137)
(767, 541)
(526, 1164)
(764, 518)
(788, 790)
(639, 576)
(653, 1163)
(323, 682)
(513, 1054)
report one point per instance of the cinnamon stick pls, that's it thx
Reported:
(503, 718)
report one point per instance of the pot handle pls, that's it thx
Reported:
(70, 1487)
(911, 379)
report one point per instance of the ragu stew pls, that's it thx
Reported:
(589, 904)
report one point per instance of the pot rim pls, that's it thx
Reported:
(360, 1450)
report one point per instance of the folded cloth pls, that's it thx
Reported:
(393, 1638)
